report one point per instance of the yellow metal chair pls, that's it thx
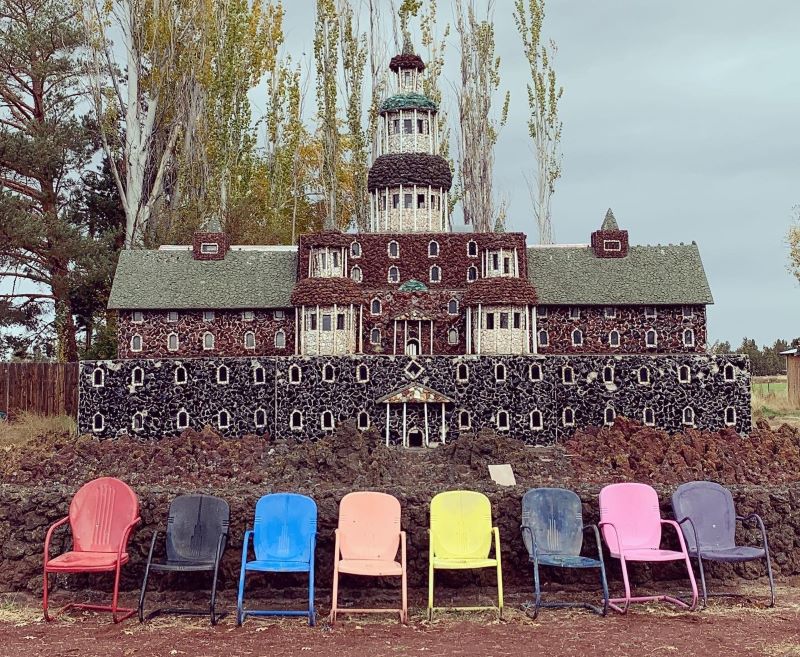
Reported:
(461, 539)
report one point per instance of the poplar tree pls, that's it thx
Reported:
(794, 243)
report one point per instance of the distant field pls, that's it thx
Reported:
(770, 401)
(769, 386)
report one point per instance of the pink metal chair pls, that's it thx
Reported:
(366, 544)
(631, 524)
(101, 515)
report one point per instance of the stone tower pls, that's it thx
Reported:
(409, 182)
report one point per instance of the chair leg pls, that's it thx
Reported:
(312, 614)
(500, 587)
(115, 597)
(335, 594)
(143, 592)
(537, 590)
(430, 591)
(212, 606)
(404, 598)
(240, 597)
(45, 601)
(771, 579)
(604, 586)
(692, 581)
(626, 583)
(702, 580)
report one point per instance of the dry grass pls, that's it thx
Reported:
(771, 401)
(27, 427)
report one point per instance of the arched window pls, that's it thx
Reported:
(535, 372)
(394, 274)
(375, 307)
(326, 421)
(172, 342)
(260, 418)
(375, 336)
(433, 249)
(362, 373)
(609, 415)
(567, 375)
(568, 417)
(644, 376)
(394, 249)
(684, 374)
(280, 339)
(182, 420)
(208, 341)
(472, 249)
(464, 420)
(503, 422)
(137, 421)
(608, 374)
(295, 374)
(651, 339)
(363, 420)
(223, 375)
(223, 419)
(296, 421)
(649, 417)
(136, 343)
(355, 274)
(688, 338)
(180, 375)
(537, 423)
(355, 249)
(688, 416)
(137, 376)
(259, 375)
(98, 378)
(328, 373)
(98, 422)
(462, 373)
(544, 339)
(452, 307)
(452, 336)
(729, 372)
(577, 338)
(435, 274)
(499, 372)
(249, 340)
(730, 416)
(613, 338)
(472, 274)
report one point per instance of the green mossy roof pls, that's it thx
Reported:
(407, 101)
(161, 280)
(648, 275)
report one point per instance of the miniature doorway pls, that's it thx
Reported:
(416, 438)
(412, 347)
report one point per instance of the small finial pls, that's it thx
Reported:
(610, 222)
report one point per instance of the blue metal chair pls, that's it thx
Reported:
(552, 530)
(284, 537)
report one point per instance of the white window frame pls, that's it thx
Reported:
(546, 341)
(226, 379)
(540, 425)
(327, 426)
(451, 312)
(278, 315)
(256, 423)
(140, 415)
(356, 275)
(438, 270)
(372, 334)
(95, 428)
(464, 426)
(393, 268)
(611, 335)
(572, 335)
(608, 368)
(137, 381)
(606, 422)
(505, 426)
(328, 373)
(452, 336)
(256, 370)
(645, 411)
(574, 313)
(687, 312)
(538, 366)
(690, 342)
(182, 425)
(206, 347)
(459, 378)
(247, 335)
(688, 412)
(208, 315)
(728, 368)
(684, 374)
(355, 245)
(101, 372)
(292, 416)
(612, 245)
(650, 312)
(438, 249)
(181, 368)
(137, 317)
(498, 369)
(134, 338)
(248, 315)
(564, 422)
(564, 370)
(472, 245)
(209, 248)
(372, 306)
(173, 316)
(470, 270)
(282, 334)
(389, 249)
(227, 424)
(177, 346)
(647, 342)
(360, 378)
(363, 426)
(644, 381)
(732, 422)
(610, 312)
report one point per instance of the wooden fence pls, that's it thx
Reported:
(44, 388)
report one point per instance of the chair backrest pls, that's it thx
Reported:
(284, 526)
(711, 508)
(461, 525)
(369, 526)
(194, 526)
(633, 510)
(555, 517)
(99, 514)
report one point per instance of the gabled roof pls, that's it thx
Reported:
(174, 280)
(415, 393)
(648, 275)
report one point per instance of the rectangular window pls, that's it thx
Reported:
(610, 312)
(137, 317)
(688, 312)
(490, 320)
(395, 127)
(506, 265)
(421, 201)
(395, 201)
(503, 320)
(408, 200)
(495, 261)
(312, 322)
(382, 202)
(574, 312)
(649, 312)
(208, 315)
(408, 126)
(541, 312)
(279, 315)
(172, 316)
(327, 322)
(209, 247)
(517, 320)
(612, 245)
(248, 315)
(335, 259)
(340, 322)
(422, 126)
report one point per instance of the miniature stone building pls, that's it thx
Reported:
(416, 330)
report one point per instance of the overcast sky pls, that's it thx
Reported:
(682, 116)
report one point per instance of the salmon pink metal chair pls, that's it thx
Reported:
(366, 544)
(631, 524)
(101, 515)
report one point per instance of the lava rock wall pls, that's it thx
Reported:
(259, 395)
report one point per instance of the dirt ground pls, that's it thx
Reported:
(728, 627)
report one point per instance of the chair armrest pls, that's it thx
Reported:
(694, 531)
(679, 532)
(759, 522)
(312, 549)
(595, 532)
(248, 534)
(601, 525)
(152, 546)
(534, 553)
(221, 542)
(49, 536)
(126, 535)
(496, 533)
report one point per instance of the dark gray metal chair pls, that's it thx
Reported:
(197, 531)
(552, 530)
(707, 515)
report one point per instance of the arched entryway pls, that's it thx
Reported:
(416, 438)
(412, 347)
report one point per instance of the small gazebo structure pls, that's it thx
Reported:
(411, 398)
(793, 375)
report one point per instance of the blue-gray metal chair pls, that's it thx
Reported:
(707, 516)
(552, 530)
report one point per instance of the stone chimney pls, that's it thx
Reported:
(210, 243)
(610, 241)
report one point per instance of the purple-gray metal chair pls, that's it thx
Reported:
(707, 515)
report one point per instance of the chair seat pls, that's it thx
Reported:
(276, 566)
(182, 566)
(738, 553)
(463, 564)
(651, 555)
(86, 561)
(567, 561)
(372, 567)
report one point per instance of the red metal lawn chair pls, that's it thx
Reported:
(101, 517)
